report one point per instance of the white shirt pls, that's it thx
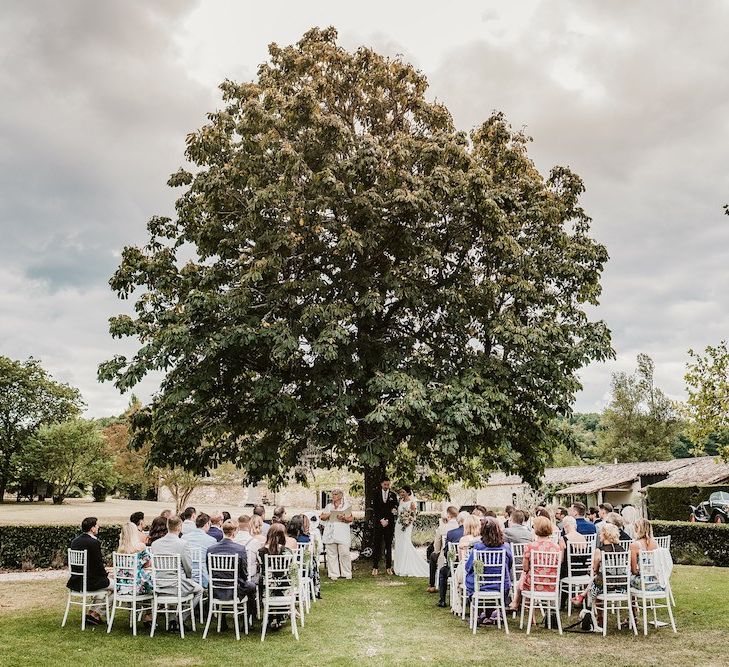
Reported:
(336, 532)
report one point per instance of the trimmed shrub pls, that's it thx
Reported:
(696, 543)
(29, 547)
(672, 503)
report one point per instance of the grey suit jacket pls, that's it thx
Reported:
(517, 534)
(173, 545)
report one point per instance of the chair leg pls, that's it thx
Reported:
(180, 621)
(503, 614)
(670, 613)
(472, 615)
(65, 615)
(83, 613)
(265, 622)
(294, 629)
(631, 617)
(236, 621)
(110, 618)
(604, 617)
(569, 599)
(210, 616)
(245, 617)
(134, 619)
(521, 617)
(154, 618)
(645, 617)
(556, 613)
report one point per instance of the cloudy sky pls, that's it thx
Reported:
(96, 99)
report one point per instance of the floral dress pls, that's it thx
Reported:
(125, 578)
(542, 544)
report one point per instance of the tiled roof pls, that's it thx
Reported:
(589, 479)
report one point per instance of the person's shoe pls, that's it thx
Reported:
(92, 620)
(389, 570)
(442, 604)
(432, 589)
(375, 572)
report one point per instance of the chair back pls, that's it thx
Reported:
(77, 566)
(615, 569)
(579, 558)
(223, 576)
(554, 537)
(544, 570)
(648, 568)
(304, 558)
(626, 544)
(277, 578)
(591, 538)
(517, 563)
(126, 574)
(664, 541)
(491, 576)
(196, 563)
(167, 574)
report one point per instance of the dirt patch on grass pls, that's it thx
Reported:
(23, 595)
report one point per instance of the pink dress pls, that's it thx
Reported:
(542, 544)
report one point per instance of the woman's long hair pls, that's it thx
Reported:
(296, 526)
(491, 533)
(276, 539)
(129, 541)
(158, 528)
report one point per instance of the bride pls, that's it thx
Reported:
(408, 562)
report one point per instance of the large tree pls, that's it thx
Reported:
(351, 280)
(707, 406)
(640, 423)
(29, 399)
(68, 454)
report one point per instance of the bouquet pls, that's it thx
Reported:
(406, 517)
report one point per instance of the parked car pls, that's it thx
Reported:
(714, 510)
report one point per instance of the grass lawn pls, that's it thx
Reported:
(384, 621)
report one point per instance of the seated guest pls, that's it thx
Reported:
(215, 530)
(166, 514)
(189, 515)
(294, 529)
(437, 558)
(199, 537)
(279, 515)
(243, 536)
(309, 536)
(517, 532)
(508, 511)
(630, 516)
(559, 514)
(570, 535)
(172, 545)
(260, 511)
(479, 511)
(257, 529)
(226, 516)
(471, 535)
(584, 526)
(609, 542)
(492, 539)
(644, 541)
(252, 545)
(228, 546)
(157, 529)
(275, 546)
(97, 578)
(130, 543)
(603, 509)
(542, 542)
(452, 537)
(617, 520)
(137, 519)
(593, 514)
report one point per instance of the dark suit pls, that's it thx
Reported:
(96, 577)
(216, 533)
(382, 536)
(452, 537)
(226, 547)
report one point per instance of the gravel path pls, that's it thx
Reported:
(36, 575)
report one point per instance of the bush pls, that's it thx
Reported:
(29, 547)
(423, 530)
(696, 543)
(672, 503)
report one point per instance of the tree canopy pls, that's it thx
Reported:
(350, 278)
(29, 399)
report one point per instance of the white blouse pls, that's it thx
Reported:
(336, 532)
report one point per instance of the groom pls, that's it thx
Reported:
(384, 514)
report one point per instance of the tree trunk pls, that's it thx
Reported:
(3, 485)
(372, 477)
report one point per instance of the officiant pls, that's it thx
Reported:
(337, 516)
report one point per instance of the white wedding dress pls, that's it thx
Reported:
(407, 561)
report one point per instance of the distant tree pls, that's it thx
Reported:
(640, 423)
(68, 454)
(181, 484)
(707, 406)
(29, 399)
(359, 276)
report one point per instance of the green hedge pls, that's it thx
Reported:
(672, 503)
(28, 547)
(696, 543)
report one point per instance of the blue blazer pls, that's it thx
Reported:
(226, 547)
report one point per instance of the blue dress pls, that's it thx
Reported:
(509, 558)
